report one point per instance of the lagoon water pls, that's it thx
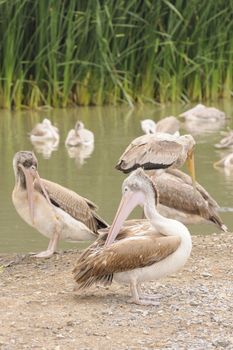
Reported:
(94, 176)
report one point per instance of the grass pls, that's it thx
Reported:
(93, 52)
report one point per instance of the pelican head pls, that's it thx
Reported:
(24, 162)
(47, 122)
(25, 169)
(79, 125)
(148, 126)
(25, 166)
(137, 189)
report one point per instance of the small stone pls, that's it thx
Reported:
(193, 303)
(206, 274)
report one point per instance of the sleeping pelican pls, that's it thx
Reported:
(55, 211)
(79, 136)
(44, 132)
(148, 126)
(168, 125)
(136, 256)
(226, 162)
(158, 151)
(203, 113)
(177, 200)
(226, 142)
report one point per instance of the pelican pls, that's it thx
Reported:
(44, 131)
(177, 200)
(136, 256)
(79, 136)
(158, 151)
(203, 113)
(148, 126)
(226, 142)
(55, 211)
(226, 162)
(168, 125)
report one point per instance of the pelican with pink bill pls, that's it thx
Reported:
(133, 256)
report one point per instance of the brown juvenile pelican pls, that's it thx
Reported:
(44, 131)
(177, 200)
(79, 136)
(158, 151)
(136, 256)
(226, 162)
(168, 125)
(226, 142)
(203, 113)
(55, 211)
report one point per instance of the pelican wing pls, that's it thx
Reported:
(169, 125)
(149, 152)
(126, 254)
(75, 205)
(38, 130)
(176, 191)
(227, 141)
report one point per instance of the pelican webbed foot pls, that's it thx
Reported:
(52, 247)
(44, 254)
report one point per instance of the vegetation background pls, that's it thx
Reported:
(92, 52)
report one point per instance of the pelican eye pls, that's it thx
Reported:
(33, 167)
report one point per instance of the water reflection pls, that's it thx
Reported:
(80, 153)
(197, 127)
(97, 180)
(46, 148)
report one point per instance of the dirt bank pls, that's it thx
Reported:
(39, 310)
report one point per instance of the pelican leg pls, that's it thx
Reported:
(136, 298)
(52, 244)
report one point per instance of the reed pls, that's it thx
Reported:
(93, 52)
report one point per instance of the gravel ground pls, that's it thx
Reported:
(39, 310)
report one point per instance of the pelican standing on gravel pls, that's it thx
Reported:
(79, 136)
(158, 151)
(55, 211)
(139, 257)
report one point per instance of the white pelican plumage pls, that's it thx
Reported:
(148, 126)
(136, 256)
(203, 113)
(44, 132)
(168, 125)
(55, 211)
(79, 136)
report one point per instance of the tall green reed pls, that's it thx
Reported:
(93, 52)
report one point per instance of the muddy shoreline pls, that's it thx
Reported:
(39, 310)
